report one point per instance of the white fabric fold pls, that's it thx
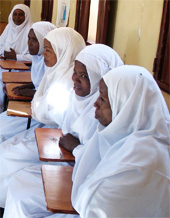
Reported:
(124, 169)
(51, 99)
(38, 66)
(16, 36)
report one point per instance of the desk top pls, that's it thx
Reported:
(15, 65)
(19, 109)
(48, 146)
(11, 95)
(16, 77)
(57, 181)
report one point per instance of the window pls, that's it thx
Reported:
(47, 9)
(83, 19)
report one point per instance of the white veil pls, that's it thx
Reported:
(51, 99)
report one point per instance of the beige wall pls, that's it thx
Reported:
(135, 32)
(36, 8)
(6, 7)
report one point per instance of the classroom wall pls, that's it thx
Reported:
(6, 7)
(134, 27)
(36, 8)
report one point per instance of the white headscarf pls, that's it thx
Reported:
(133, 149)
(98, 59)
(38, 66)
(51, 99)
(16, 36)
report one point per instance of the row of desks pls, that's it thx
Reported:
(57, 180)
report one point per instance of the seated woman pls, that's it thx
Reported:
(128, 172)
(11, 126)
(59, 61)
(91, 63)
(13, 40)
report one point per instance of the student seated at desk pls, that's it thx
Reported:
(13, 40)
(35, 45)
(124, 170)
(11, 126)
(67, 43)
(91, 63)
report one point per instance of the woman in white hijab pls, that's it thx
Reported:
(51, 98)
(16, 33)
(13, 40)
(79, 122)
(10, 126)
(21, 150)
(128, 172)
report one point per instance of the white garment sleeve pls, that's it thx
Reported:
(25, 57)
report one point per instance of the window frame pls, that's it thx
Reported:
(82, 19)
(161, 63)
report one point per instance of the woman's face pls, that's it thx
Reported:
(103, 109)
(81, 80)
(50, 57)
(33, 44)
(18, 17)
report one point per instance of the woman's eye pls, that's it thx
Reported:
(84, 76)
(101, 99)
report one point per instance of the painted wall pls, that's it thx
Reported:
(36, 8)
(6, 7)
(134, 31)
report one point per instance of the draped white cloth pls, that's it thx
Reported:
(79, 121)
(51, 99)
(16, 36)
(24, 144)
(38, 66)
(10, 126)
(124, 170)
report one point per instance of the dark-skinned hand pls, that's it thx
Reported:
(69, 142)
(23, 90)
(10, 54)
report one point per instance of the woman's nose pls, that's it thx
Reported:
(96, 105)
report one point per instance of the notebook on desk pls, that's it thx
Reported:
(48, 145)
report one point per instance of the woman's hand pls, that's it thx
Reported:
(10, 54)
(23, 90)
(69, 142)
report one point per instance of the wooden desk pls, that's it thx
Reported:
(13, 65)
(20, 109)
(57, 181)
(16, 77)
(11, 95)
(48, 146)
